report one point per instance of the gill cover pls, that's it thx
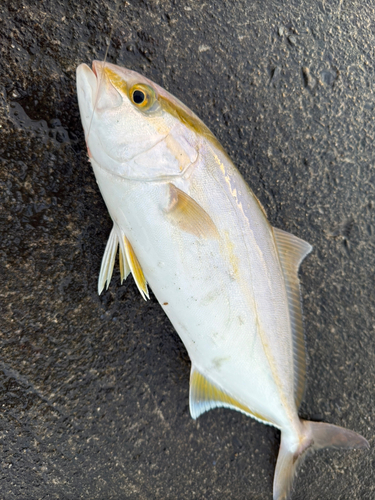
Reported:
(132, 126)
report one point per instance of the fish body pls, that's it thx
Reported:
(187, 224)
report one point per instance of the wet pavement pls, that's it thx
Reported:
(94, 390)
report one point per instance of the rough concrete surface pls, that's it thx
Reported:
(94, 390)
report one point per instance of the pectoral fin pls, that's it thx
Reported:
(292, 251)
(205, 395)
(188, 215)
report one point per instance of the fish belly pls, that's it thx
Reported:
(225, 296)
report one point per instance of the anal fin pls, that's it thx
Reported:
(205, 395)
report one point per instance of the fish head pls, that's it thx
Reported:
(134, 128)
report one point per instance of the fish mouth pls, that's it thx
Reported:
(95, 68)
(87, 85)
(98, 68)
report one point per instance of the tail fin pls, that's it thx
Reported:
(314, 436)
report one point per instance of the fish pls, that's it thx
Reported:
(186, 224)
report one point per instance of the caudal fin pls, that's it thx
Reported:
(314, 436)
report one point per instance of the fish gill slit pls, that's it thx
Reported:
(149, 149)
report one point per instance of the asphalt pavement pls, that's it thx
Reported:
(94, 390)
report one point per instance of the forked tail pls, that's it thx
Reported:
(313, 437)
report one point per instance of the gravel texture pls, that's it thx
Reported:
(94, 390)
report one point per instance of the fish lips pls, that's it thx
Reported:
(87, 85)
(95, 93)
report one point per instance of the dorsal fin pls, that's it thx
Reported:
(188, 215)
(205, 395)
(292, 251)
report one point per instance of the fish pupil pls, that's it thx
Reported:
(138, 96)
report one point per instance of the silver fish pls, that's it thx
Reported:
(187, 224)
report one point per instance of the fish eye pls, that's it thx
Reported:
(143, 96)
(138, 97)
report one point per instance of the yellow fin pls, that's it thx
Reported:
(189, 216)
(204, 396)
(292, 251)
(124, 265)
(135, 268)
(121, 262)
(108, 261)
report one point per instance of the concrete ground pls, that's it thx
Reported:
(94, 390)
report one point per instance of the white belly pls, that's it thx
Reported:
(226, 298)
